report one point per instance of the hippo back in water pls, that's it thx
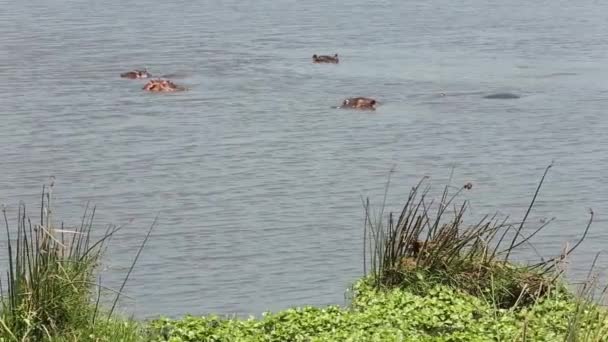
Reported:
(501, 96)
(359, 103)
(161, 85)
(326, 59)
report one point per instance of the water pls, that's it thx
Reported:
(257, 180)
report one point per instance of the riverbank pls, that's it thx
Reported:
(436, 313)
(428, 277)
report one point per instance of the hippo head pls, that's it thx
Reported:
(365, 103)
(368, 104)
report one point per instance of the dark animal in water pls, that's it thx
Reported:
(325, 59)
(501, 96)
(136, 74)
(359, 103)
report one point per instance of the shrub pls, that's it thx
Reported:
(423, 246)
(51, 280)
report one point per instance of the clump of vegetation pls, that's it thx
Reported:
(441, 313)
(50, 292)
(423, 247)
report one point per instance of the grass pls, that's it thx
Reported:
(436, 245)
(50, 292)
(428, 276)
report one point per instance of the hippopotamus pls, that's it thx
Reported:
(136, 74)
(501, 96)
(325, 59)
(359, 103)
(162, 86)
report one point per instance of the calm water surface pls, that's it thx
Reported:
(258, 181)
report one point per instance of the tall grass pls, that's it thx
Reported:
(589, 321)
(50, 278)
(431, 243)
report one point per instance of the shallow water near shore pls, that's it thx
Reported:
(258, 180)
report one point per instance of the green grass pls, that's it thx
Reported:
(50, 292)
(114, 330)
(432, 242)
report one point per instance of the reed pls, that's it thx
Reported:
(430, 243)
(589, 318)
(50, 285)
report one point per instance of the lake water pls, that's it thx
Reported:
(258, 181)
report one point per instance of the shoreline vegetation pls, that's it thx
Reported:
(427, 276)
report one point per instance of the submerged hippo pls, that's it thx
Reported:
(136, 74)
(325, 59)
(501, 96)
(162, 86)
(359, 103)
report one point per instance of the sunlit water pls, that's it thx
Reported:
(258, 181)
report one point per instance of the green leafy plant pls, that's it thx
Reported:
(442, 313)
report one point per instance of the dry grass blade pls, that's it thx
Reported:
(521, 226)
(141, 247)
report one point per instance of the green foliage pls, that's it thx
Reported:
(49, 277)
(113, 330)
(433, 244)
(49, 287)
(440, 314)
